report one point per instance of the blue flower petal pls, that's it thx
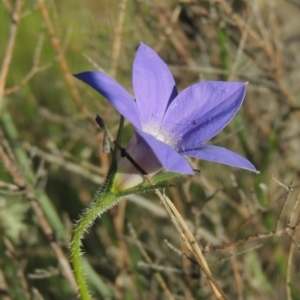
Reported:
(203, 110)
(183, 121)
(114, 93)
(154, 87)
(170, 159)
(220, 155)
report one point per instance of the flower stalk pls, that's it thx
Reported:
(104, 200)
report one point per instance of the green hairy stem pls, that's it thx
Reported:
(105, 201)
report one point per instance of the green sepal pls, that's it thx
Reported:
(144, 189)
(163, 177)
(159, 183)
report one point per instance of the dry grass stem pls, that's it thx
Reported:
(148, 259)
(118, 39)
(62, 61)
(16, 13)
(43, 223)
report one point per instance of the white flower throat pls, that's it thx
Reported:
(161, 134)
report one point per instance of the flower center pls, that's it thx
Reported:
(161, 134)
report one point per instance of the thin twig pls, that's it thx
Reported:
(74, 167)
(35, 68)
(4, 287)
(11, 252)
(11, 169)
(10, 47)
(190, 241)
(43, 222)
(237, 277)
(288, 278)
(148, 259)
(62, 61)
(167, 26)
(7, 5)
(240, 22)
(289, 189)
(292, 220)
(118, 39)
(239, 52)
(257, 237)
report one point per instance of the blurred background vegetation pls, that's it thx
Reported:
(52, 161)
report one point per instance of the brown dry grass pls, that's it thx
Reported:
(246, 225)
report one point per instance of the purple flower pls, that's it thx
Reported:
(169, 125)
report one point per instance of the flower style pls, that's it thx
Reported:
(168, 125)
